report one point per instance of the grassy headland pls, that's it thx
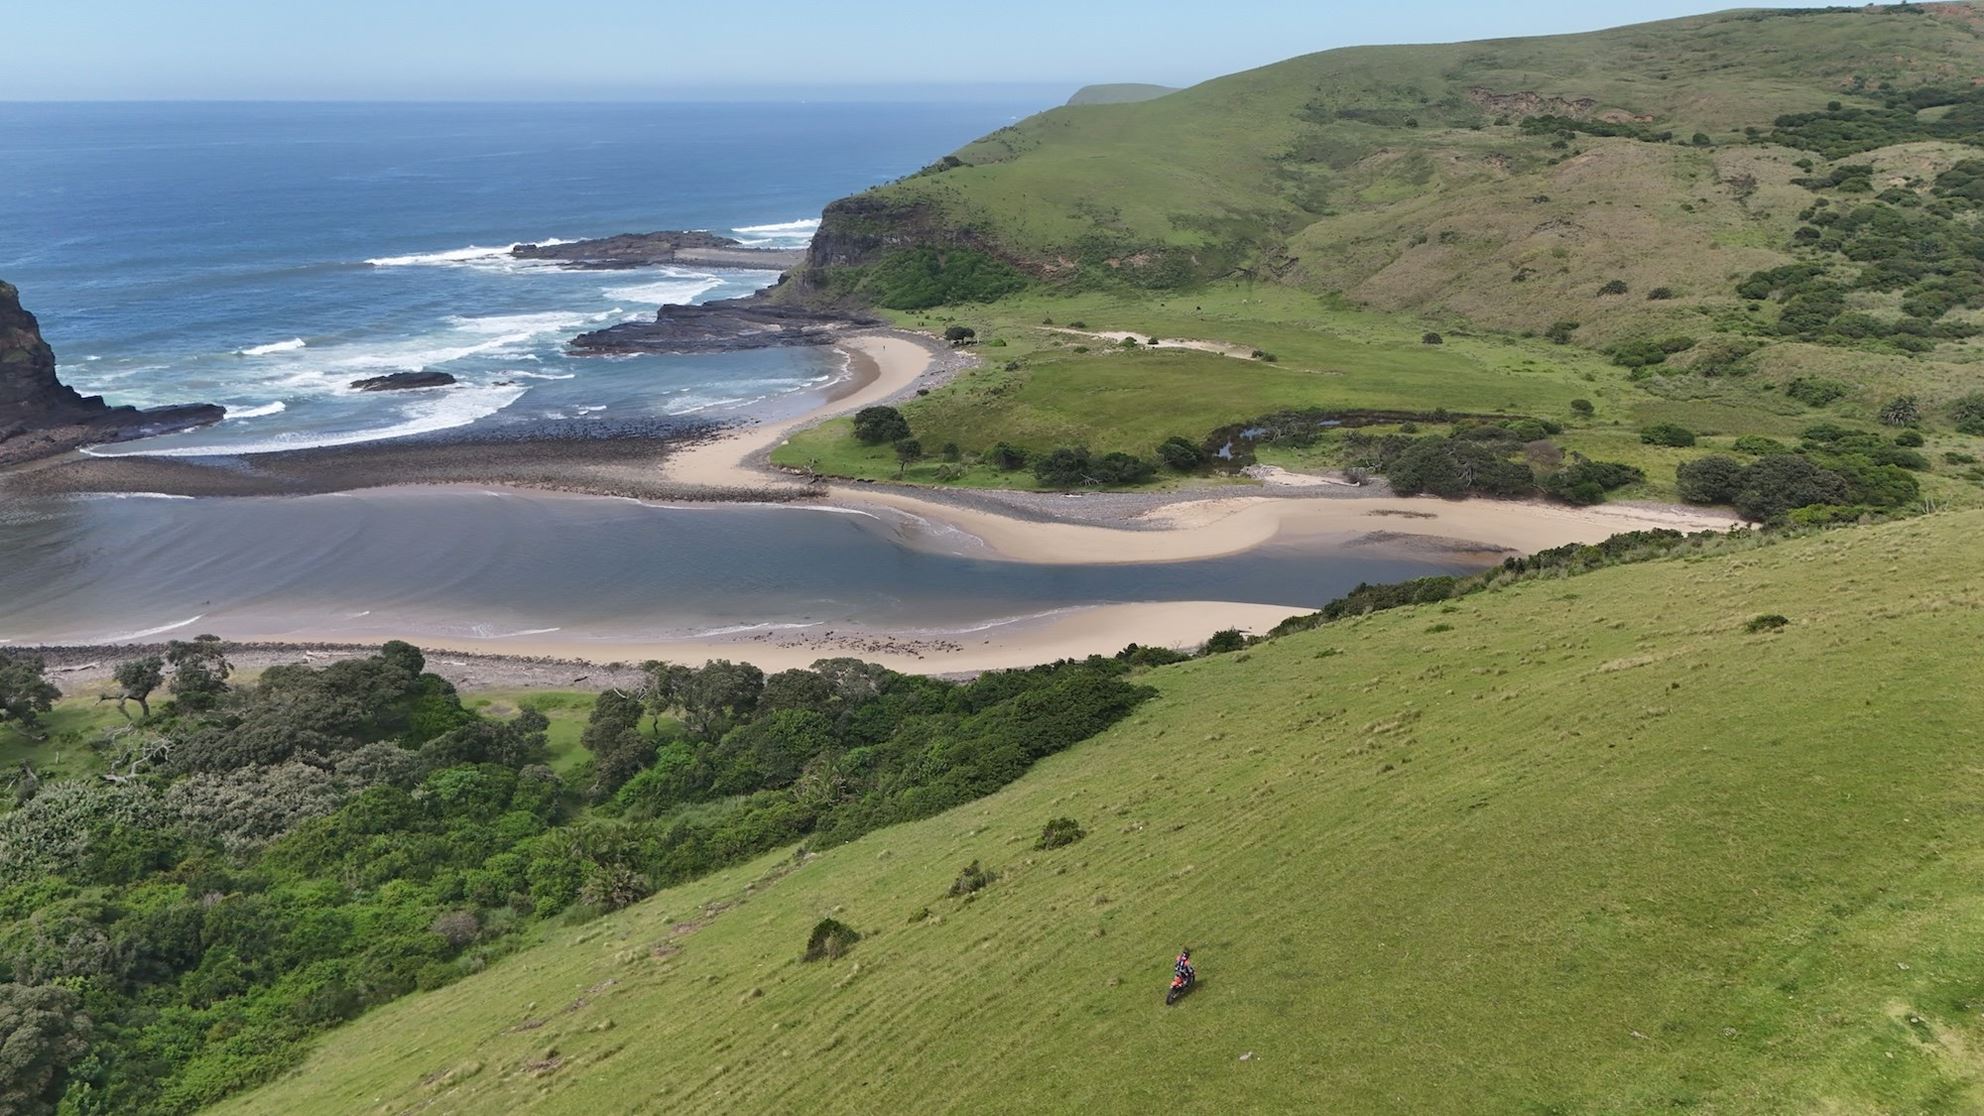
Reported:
(1749, 223)
(1574, 845)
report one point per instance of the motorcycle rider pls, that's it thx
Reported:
(1183, 968)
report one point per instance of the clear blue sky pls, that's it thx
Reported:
(640, 49)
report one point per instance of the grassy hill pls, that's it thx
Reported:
(1737, 222)
(1577, 845)
(1119, 93)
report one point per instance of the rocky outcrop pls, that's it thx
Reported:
(39, 415)
(403, 381)
(630, 250)
(725, 326)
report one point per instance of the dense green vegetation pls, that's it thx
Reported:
(260, 862)
(1446, 842)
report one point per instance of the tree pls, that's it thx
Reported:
(719, 695)
(1773, 485)
(43, 1031)
(1229, 639)
(1708, 480)
(876, 425)
(136, 679)
(199, 671)
(663, 688)
(908, 450)
(797, 689)
(958, 333)
(25, 691)
(613, 736)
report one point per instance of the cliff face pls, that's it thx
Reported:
(39, 415)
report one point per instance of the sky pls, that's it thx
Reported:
(713, 49)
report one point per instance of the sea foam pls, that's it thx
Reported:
(288, 346)
(444, 410)
(257, 412)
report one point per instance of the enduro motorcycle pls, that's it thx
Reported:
(1179, 986)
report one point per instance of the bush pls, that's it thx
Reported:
(1900, 456)
(1768, 622)
(876, 425)
(1815, 392)
(1667, 434)
(1773, 485)
(1006, 457)
(957, 333)
(974, 878)
(1660, 294)
(1758, 445)
(1910, 438)
(1613, 287)
(1582, 408)
(830, 939)
(1181, 454)
(1059, 832)
(1431, 338)
(1220, 642)
(1586, 482)
(1902, 410)
(920, 278)
(1968, 413)
(1709, 480)
(1560, 332)
(1648, 351)
(1265, 357)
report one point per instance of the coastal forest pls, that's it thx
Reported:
(1673, 821)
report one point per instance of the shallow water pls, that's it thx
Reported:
(465, 563)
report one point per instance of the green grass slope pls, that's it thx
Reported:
(1119, 93)
(1581, 845)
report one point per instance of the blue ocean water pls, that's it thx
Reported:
(265, 255)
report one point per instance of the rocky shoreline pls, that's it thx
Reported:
(727, 325)
(40, 416)
(632, 250)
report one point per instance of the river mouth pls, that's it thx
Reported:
(465, 565)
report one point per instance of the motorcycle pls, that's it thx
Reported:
(1179, 986)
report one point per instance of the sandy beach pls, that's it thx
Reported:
(1029, 527)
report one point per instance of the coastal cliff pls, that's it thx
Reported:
(39, 415)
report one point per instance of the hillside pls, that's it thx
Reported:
(1119, 93)
(1748, 223)
(1578, 845)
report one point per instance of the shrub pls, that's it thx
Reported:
(1006, 457)
(1059, 832)
(1587, 482)
(1660, 294)
(1582, 408)
(1902, 410)
(1431, 338)
(1180, 454)
(1078, 324)
(1265, 357)
(975, 877)
(1560, 332)
(1954, 458)
(1910, 438)
(1128, 343)
(1759, 445)
(1649, 351)
(1221, 642)
(830, 939)
(1813, 391)
(920, 278)
(1968, 413)
(1773, 485)
(957, 333)
(876, 425)
(1900, 456)
(1708, 480)
(1613, 287)
(1667, 434)
(1768, 622)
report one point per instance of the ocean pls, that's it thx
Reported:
(263, 256)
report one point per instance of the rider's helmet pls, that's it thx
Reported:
(1185, 954)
